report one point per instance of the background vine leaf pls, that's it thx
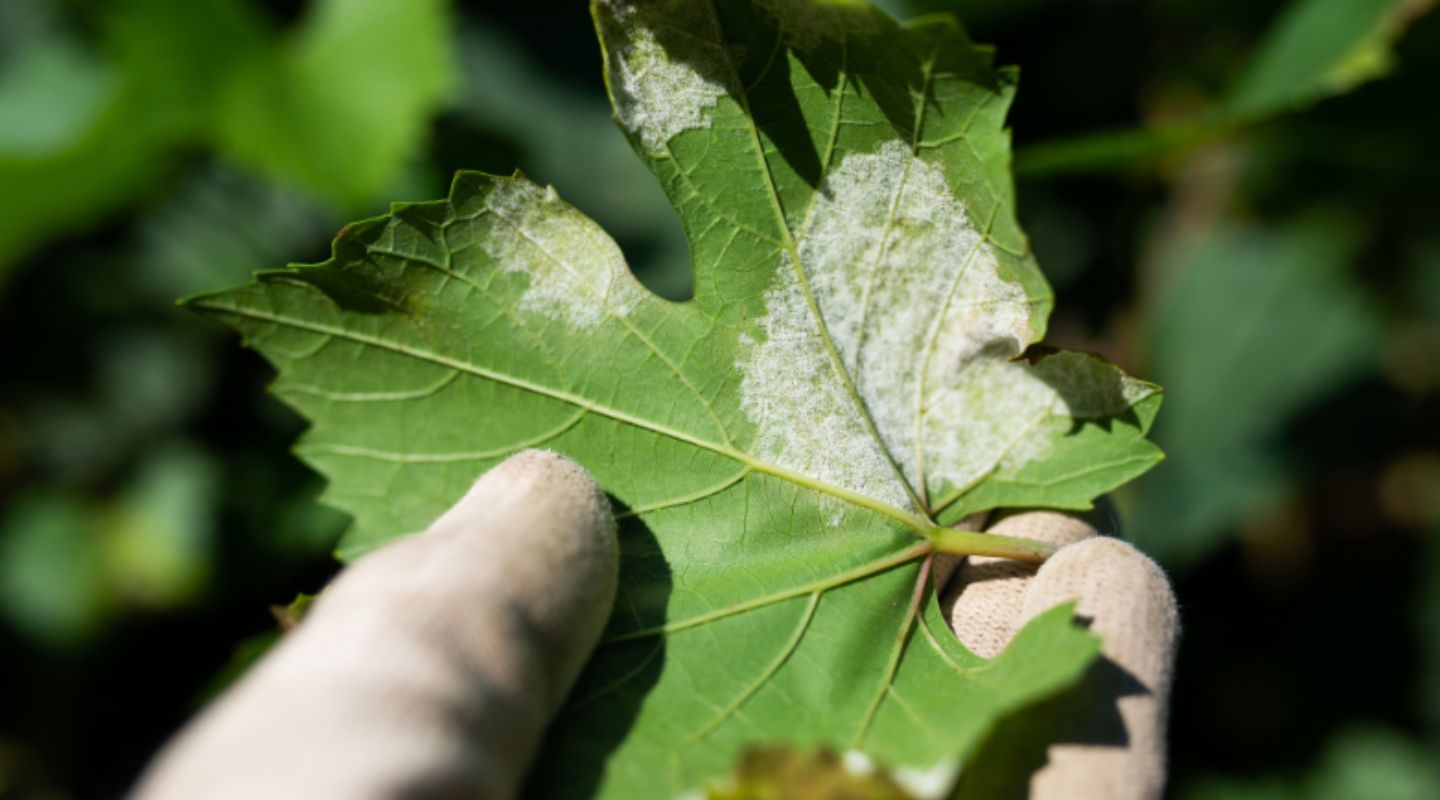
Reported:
(334, 107)
(781, 446)
(1315, 49)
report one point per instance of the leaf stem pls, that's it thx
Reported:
(969, 543)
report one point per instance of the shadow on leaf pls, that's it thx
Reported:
(618, 676)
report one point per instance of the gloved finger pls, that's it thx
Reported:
(1127, 600)
(429, 668)
(983, 598)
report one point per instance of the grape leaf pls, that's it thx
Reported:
(1234, 466)
(1315, 49)
(786, 448)
(334, 106)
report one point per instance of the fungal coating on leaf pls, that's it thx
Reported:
(926, 326)
(657, 94)
(577, 272)
(923, 322)
(911, 293)
(806, 421)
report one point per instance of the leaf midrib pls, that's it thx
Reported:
(918, 524)
(772, 192)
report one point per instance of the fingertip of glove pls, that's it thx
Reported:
(1105, 574)
(555, 473)
(545, 467)
(542, 478)
(1104, 555)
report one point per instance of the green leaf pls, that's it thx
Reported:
(178, 59)
(342, 103)
(782, 446)
(1319, 48)
(1316, 49)
(1297, 328)
(36, 125)
(336, 108)
(85, 156)
(69, 563)
(1361, 761)
(90, 135)
(189, 242)
(51, 573)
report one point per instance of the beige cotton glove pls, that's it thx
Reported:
(1104, 739)
(429, 668)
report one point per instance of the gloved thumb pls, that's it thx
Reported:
(428, 668)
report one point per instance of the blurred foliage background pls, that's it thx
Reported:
(1234, 198)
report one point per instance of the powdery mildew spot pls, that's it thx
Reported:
(656, 95)
(931, 783)
(921, 783)
(577, 273)
(899, 272)
(927, 328)
(805, 420)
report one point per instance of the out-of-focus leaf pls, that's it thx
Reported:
(336, 107)
(51, 92)
(977, 15)
(190, 241)
(1316, 49)
(1368, 763)
(1319, 48)
(1258, 322)
(158, 540)
(21, 23)
(51, 574)
(111, 162)
(69, 562)
(178, 58)
(342, 103)
(115, 119)
(148, 381)
(1120, 149)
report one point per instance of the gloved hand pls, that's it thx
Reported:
(426, 669)
(1109, 731)
(429, 668)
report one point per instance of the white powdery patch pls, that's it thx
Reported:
(657, 96)
(910, 289)
(858, 763)
(577, 273)
(990, 416)
(805, 420)
(929, 784)
(923, 784)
